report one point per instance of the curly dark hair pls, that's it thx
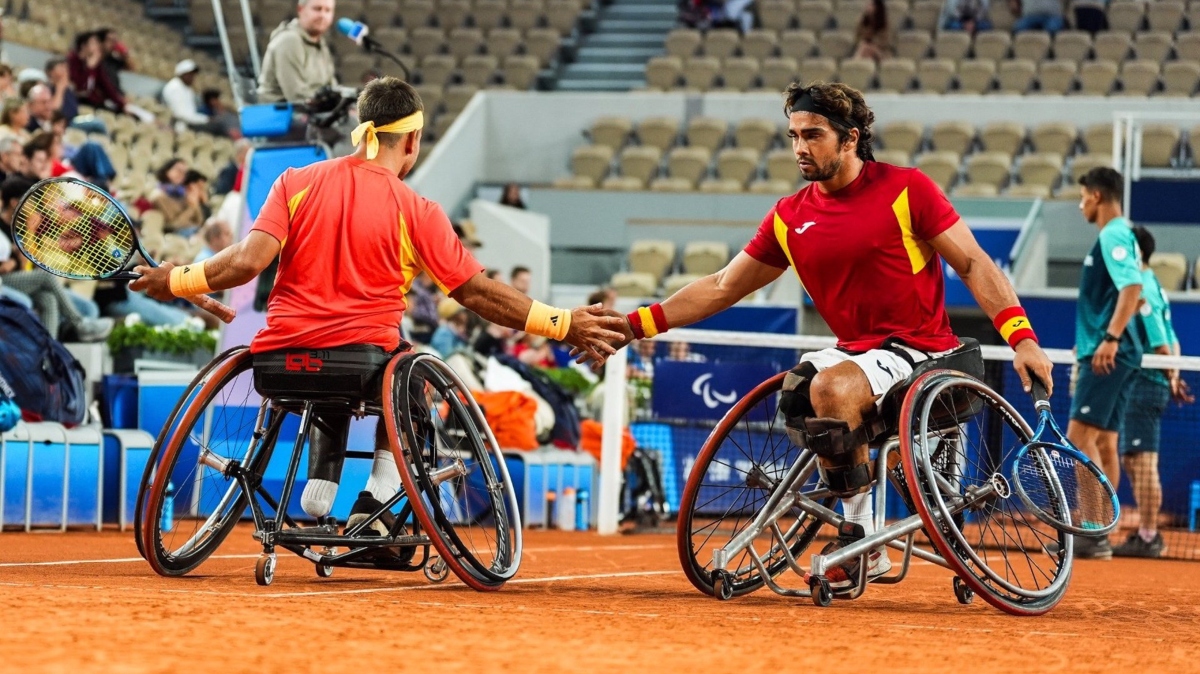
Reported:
(848, 106)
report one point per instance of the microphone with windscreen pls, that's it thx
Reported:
(360, 33)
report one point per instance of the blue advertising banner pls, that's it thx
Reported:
(684, 390)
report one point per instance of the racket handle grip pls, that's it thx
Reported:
(221, 311)
(1041, 398)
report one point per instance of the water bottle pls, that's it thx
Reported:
(566, 509)
(168, 511)
(551, 497)
(582, 511)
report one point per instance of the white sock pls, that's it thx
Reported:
(318, 496)
(859, 509)
(385, 479)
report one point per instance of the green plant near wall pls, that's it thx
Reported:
(182, 341)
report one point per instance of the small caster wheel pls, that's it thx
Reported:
(822, 594)
(324, 570)
(264, 570)
(964, 594)
(436, 570)
(722, 585)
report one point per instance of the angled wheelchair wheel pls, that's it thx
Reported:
(447, 454)
(734, 474)
(958, 439)
(190, 501)
(172, 419)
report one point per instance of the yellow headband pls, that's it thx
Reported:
(368, 130)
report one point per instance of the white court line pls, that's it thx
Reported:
(515, 581)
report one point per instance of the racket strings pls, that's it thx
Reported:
(74, 230)
(1088, 504)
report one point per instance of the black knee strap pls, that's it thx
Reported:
(842, 480)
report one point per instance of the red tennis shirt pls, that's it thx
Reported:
(863, 257)
(354, 237)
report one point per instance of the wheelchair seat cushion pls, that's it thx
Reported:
(354, 371)
(967, 358)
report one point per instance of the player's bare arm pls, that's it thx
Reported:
(1105, 357)
(232, 267)
(993, 291)
(591, 330)
(702, 298)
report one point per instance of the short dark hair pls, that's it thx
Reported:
(53, 62)
(598, 296)
(42, 141)
(82, 39)
(1106, 181)
(1145, 241)
(519, 270)
(14, 187)
(210, 94)
(161, 173)
(386, 100)
(57, 116)
(847, 105)
(27, 86)
(194, 176)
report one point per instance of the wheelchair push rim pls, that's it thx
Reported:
(468, 452)
(698, 495)
(1001, 553)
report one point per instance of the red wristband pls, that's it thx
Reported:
(648, 322)
(1014, 326)
(635, 324)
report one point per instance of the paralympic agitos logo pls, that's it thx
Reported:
(711, 398)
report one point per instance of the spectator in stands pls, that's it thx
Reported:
(1141, 427)
(1044, 15)
(53, 303)
(182, 196)
(92, 82)
(225, 120)
(874, 35)
(92, 162)
(40, 102)
(605, 296)
(512, 196)
(451, 334)
(12, 157)
(494, 274)
(8, 263)
(217, 236)
(682, 352)
(968, 15)
(298, 61)
(536, 351)
(229, 178)
(14, 119)
(521, 279)
(8, 87)
(61, 90)
(180, 98)
(116, 56)
(422, 300)
(38, 164)
(465, 231)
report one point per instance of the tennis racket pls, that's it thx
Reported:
(75, 230)
(1059, 483)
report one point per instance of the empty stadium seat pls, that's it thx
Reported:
(633, 284)
(611, 131)
(781, 165)
(1015, 76)
(436, 69)
(912, 44)
(1024, 191)
(700, 72)
(847, 13)
(574, 183)
(769, 186)
(1072, 45)
(592, 161)
(640, 162)
(1139, 78)
(976, 190)
(924, 14)
(798, 44)
(776, 14)
(836, 43)
(664, 72)
(659, 132)
(897, 74)
(936, 75)
(760, 43)
(721, 42)
(1180, 78)
(1097, 78)
(623, 183)
(1158, 144)
(901, 136)
(738, 164)
(1056, 78)
(822, 68)
(1056, 137)
(520, 71)
(542, 43)
(1042, 169)
(739, 73)
(525, 14)
(1004, 137)
(992, 45)
(1126, 15)
(1098, 138)
(652, 256)
(941, 167)
(1112, 46)
(1165, 15)
(975, 76)
(777, 73)
(1031, 44)
(479, 69)
(813, 14)
(425, 41)
(952, 136)
(1082, 163)
(673, 283)
(857, 73)
(952, 44)
(1187, 45)
(756, 134)
(707, 132)
(689, 163)
(720, 186)
(1170, 269)
(1154, 46)
(988, 168)
(705, 257)
(894, 157)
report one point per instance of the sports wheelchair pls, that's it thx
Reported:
(456, 510)
(754, 500)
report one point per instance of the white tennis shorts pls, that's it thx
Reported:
(884, 368)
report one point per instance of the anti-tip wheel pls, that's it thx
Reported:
(964, 594)
(822, 593)
(324, 570)
(436, 570)
(722, 585)
(264, 570)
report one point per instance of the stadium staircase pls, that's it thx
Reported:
(613, 57)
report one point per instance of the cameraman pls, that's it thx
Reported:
(298, 62)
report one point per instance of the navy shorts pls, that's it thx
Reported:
(1143, 419)
(1101, 400)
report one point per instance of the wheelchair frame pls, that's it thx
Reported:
(318, 544)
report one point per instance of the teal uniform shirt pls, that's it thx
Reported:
(1113, 264)
(1154, 322)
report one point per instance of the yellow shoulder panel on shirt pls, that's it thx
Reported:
(781, 230)
(408, 258)
(294, 202)
(919, 252)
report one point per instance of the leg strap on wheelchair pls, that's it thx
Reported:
(846, 480)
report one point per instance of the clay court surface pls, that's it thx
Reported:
(85, 602)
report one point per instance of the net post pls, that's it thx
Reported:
(613, 420)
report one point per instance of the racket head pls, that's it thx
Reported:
(1065, 489)
(74, 229)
